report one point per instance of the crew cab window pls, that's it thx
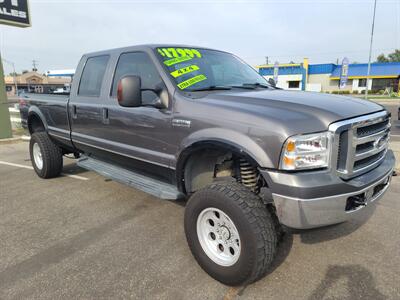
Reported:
(139, 64)
(93, 75)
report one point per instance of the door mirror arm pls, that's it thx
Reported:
(162, 93)
(129, 93)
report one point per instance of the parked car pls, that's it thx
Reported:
(183, 122)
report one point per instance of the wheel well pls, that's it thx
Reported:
(203, 163)
(35, 124)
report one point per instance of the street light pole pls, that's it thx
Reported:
(14, 75)
(370, 52)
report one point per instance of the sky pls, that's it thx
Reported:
(284, 30)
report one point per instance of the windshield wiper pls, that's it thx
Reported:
(254, 85)
(211, 88)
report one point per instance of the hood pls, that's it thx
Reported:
(298, 111)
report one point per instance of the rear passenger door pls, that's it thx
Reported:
(85, 107)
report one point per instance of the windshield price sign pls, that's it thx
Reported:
(15, 13)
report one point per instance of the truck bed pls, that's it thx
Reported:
(51, 108)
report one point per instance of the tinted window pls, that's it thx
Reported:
(140, 64)
(92, 76)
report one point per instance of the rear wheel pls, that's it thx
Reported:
(230, 233)
(46, 156)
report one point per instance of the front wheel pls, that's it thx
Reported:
(46, 156)
(230, 233)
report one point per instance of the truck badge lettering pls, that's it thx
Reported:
(181, 123)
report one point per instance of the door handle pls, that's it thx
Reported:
(106, 120)
(74, 112)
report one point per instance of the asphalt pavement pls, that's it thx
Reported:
(81, 236)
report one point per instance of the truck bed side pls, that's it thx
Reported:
(51, 111)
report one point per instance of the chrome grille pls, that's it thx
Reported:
(360, 144)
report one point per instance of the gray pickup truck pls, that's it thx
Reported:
(183, 122)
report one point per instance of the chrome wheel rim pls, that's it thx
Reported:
(218, 236)
(37, 156)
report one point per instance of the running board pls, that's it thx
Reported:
(146, 184)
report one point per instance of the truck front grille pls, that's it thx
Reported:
(360, 144)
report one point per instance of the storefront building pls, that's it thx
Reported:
(384, 77)
(34, 82)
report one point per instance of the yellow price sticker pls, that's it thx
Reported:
(185, 70)
(185, 84)
(176, 60)
(178, 52)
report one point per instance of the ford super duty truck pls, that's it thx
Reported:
(183, 122)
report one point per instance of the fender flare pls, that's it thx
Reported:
(220, 137)
(34, 110)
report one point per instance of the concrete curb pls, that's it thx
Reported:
(10, 140)
(16, 139)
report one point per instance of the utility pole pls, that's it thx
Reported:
(266, 60)
(34, 63)
(370, 52)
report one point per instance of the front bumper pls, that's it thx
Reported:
(314, 199)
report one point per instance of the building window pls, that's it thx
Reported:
(362, 82)
(383, 83)
(294, 84)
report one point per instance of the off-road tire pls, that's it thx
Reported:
(253, 221)
(51, 155)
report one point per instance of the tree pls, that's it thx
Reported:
(395, 56)
(382, 58)
(392, 57)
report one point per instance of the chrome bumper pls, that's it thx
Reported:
(316, 212)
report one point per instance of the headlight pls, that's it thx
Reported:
(306, 151)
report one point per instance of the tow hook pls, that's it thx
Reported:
(356, 201)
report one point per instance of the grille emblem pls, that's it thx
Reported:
(379, 142)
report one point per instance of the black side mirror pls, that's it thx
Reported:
(272, 82)
(129, 93)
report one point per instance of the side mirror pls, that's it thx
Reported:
(129, 93)
(272, 82)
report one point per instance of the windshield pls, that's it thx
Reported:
(201, 69)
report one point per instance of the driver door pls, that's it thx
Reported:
(139, 133)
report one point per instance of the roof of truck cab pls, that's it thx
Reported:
(146, 46)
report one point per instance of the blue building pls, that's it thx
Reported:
(325, 77)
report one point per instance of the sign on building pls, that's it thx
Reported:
(15, 13)
(344, 74)
(276, 72)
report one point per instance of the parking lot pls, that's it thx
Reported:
(83, 236)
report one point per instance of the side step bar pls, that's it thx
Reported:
(146, 184)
